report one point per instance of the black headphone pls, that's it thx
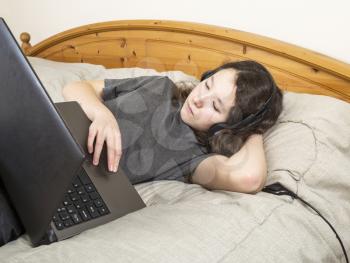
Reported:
(246, 122)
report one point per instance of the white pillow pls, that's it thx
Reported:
(120, 73)
(310, 143)
(55, 75)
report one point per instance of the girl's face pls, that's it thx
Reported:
(210, 101)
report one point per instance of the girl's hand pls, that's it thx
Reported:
(104, 127)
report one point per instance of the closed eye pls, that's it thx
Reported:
(215, 107)
(206, 84)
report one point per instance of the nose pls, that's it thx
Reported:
(198, 102)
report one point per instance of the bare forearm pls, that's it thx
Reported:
(86, 96)
(247, 168)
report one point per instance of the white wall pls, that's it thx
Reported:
(320, 25)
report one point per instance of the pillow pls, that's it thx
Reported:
(120, 73)
(309, 146)
(10, 226)
(55, 75)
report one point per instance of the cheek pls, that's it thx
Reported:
(192, 93)
(208, 116)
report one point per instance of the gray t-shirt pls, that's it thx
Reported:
(156, 143)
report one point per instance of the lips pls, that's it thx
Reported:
(189, 109)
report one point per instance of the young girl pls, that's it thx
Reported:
(209, 134)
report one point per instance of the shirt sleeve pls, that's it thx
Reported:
(188, 169)
(193, 166)
(117, 87)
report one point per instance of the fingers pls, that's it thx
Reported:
(114, 151)
(113, 140)
(118, 153)
(91, 138)
(98, 148)
(111, 153)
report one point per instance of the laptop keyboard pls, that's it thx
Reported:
(81, 203)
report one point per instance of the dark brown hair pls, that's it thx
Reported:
(255, 85)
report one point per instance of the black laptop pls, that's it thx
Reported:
(44, 162)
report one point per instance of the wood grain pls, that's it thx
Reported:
(194, 48)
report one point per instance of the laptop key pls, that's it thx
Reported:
(76, 218)
(80, 190)
(98, 202)
(55, 218)
(94, 195)
(102, 210)
(71, 209)
(74, 197)
(84, 214)
(61, 209)
(67, 202)
(76, 182)
(64, 215)
(85, 198)
(68, 223)
(78, 204)
(59, 225)
(89, 188)
(93, 211)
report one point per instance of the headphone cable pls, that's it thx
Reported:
(279, 189)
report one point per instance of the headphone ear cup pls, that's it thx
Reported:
(248, 121)
(214, 129)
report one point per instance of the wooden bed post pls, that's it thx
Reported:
(25, 38)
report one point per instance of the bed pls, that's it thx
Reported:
(308, 151)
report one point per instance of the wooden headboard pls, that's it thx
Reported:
(193, 48)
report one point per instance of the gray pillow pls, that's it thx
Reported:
(10, 226)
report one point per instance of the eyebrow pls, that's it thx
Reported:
(220, 101)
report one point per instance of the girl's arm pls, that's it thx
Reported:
(88, 94)
(245, 171)
(104, 126)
